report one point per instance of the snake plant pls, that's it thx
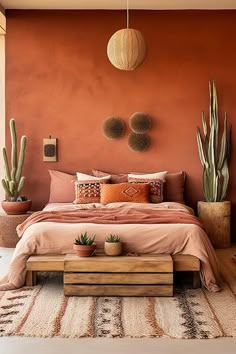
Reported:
(214, 152)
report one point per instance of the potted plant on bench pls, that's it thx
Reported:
(84, 245)
(113, 246)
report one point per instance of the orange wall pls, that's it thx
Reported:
(60, 82)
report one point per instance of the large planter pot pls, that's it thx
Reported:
(113, 248)
(16, 208)
(85, 250)
(215, 217)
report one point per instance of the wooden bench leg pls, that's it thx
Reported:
(196, 280)
(31, 278)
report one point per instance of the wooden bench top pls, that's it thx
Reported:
(36, 263)
(132, 264)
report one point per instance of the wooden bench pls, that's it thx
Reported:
(56, 263)
(145, 275)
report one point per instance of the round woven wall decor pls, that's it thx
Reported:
(126, 49)
(138, 142)
(113, 128)
(140, 123)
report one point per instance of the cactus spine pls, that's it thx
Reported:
(14, 182)
(213, 155)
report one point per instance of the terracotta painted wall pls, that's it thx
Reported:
(60, 82)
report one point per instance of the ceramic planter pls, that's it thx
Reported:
(85, 250)
(16, 208)
(113, 248)
(215, 217)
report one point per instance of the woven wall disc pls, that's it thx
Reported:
(138, 142)
(113, 128)
(140, 123)
(126, 49)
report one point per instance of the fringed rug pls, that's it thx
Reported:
(43, 311)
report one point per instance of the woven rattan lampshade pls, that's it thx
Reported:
(126, 49)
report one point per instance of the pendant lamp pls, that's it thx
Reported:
(126, 48)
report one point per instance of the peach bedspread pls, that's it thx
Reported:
(49, 237)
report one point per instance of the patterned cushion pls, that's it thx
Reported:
(125, 192)
(156, 187)
(88, 191)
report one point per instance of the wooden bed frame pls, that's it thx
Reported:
(55, 263)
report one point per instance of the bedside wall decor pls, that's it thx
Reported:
(140, 122)
(113, 128)
(138, 142)
(50, 149)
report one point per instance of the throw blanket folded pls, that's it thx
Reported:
(111, 216)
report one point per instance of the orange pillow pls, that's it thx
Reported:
(125, 192)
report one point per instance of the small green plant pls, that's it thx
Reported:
(85, 240)
(112, 238)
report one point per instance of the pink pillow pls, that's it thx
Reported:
(115, 178)
(62, 188)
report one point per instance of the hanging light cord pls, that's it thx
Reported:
(127, 9)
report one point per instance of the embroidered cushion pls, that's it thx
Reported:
(88, 190)
(156, 187)
(125, 192)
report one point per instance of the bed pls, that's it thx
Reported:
(57, 237)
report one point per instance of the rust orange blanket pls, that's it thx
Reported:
(111, 216)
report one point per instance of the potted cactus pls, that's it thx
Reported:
(113, 245)
(14, 181)
(214, 156)
(84, 245)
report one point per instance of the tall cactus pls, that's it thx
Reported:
(213, 155)
(13, 181)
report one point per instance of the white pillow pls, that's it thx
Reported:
(158, 175)
(84, 177)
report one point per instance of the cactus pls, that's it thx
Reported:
(13, 181)
(214, 155)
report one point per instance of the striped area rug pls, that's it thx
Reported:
(43, 311)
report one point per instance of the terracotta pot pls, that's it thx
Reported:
(215, 217)
(113, 248)
(16, 208)
(84, 250)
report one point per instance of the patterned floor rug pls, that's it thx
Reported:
(43, 311)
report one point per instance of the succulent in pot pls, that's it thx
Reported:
(214, 155)
(14, 181)
(113, 245)
(84, 245)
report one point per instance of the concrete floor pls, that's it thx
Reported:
(18, 345)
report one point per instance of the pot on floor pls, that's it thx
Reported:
(215, 217)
